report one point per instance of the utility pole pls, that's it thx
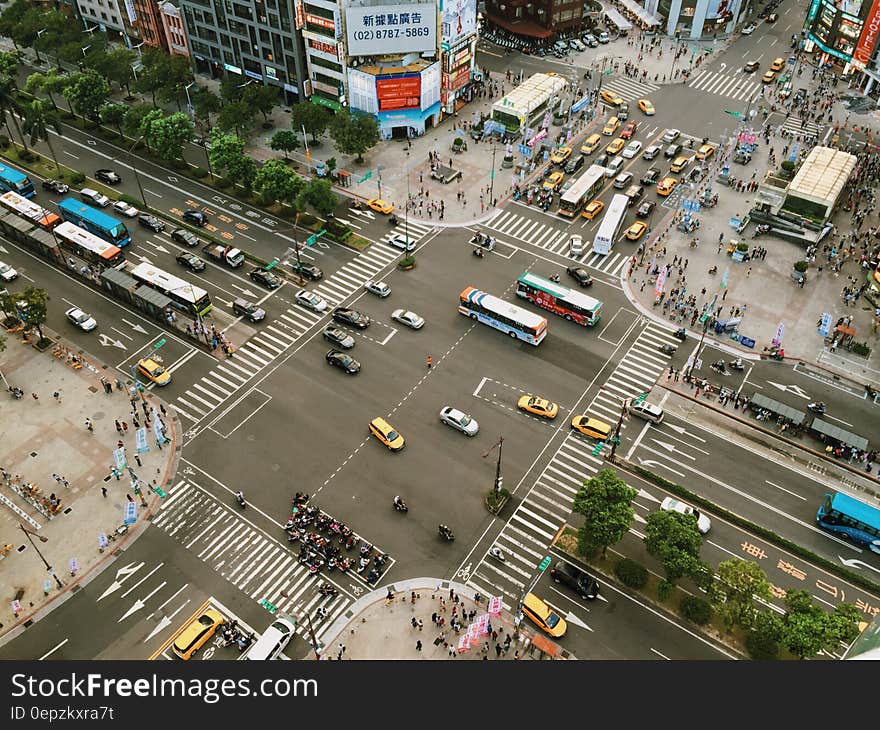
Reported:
(41, 538)
(499, 480)
(492, 177)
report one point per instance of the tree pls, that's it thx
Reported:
(87, 94)
(177, 74)
(166, 135)
(9, 105)
(313, 117)
(33, 313)
(51, 82)
(807, 629)
(38, 118)
(227, 157)
(205, 103)
(285, 140)
(134, 116)
(261, 97)
(675, 541)
(319, 194)
(236, 117)
(11, 19)
(153, 73)
(354, 134)
(114, 115)
(275, 181)
(115, 64)
(733, 592)
(604, 501)
(762, 641)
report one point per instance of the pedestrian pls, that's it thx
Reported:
(115, 472)
(57, 396)
(497, 650)
(120, 444)
(118, 426)
(429, 361)
(434, 617)
(413, 622)
(420, 624)
(412, 598)
(89, 426)
(104, 492)
(138, 460)
(35, 396)
(124, 427)
(419, 645)
(162, 409)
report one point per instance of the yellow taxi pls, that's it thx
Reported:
(387, 434)
(636, 230)
(705, 152)
(545, 618)
(769, 77)
(537, 406)
(380, 206)
(679, 163)
(646, 106)
(611, 126)
(197, 633)
(590, 144)
(560, 155)
(153, 370)
(592, 427)
(593, 209)
(609, 97)
(666, 186)
(778, 64)
(554, 180)
(615, 146)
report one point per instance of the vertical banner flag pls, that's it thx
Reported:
(140, 440)
(130, 513)
(119, 458)
(661, 282)
(777, 338)
(825, 325)
(157, 430)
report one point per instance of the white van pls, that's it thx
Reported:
(93, 196)
(273, 640)
(651, 152)
(614, 166)
(576, 245)
(648, 411)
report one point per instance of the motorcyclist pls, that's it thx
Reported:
(398, 502)
(239, 495)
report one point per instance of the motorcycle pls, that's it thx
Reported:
(366, 547)
(446, 533)
(681, 334)
(719, 367)
(736, 364)
(818, 408)
(245, 641)
(497, 553)
(343, 564)
(668, 349)
(350, 541)
(327, 589)
(478, 252)
(17, 393)
(357, 205)
(776, 354)
(373, 575)
(400, 505)
(477, 238)
(362, 563)
(393, 219)
(239, 497)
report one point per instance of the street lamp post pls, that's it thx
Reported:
(189, 105)
(499, 480)
(492, 175)
(134, 169)
(41, 538)
(84, 49)
(309, 626)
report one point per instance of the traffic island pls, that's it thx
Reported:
(407, 263)
(496, 500)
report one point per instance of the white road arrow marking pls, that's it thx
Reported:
(663, 445)
(681, 430)
(853, 563)
(160, 247)
(794, 389)
(164, 622)
(573, 619)
(135, 327)
(3, 250)
(657, 465)
(246, 292)
(645, 495)
(108, 341)
(117, 583)
(139, 603)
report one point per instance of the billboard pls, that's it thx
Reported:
(386, 29)
(459, 20)
(868, 40)
(398, 92)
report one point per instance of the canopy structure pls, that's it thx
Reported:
(617, 18)
(838, 434)
(792, 414)
(520, 27)
(649, 20)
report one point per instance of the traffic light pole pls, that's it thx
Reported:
(615, 440)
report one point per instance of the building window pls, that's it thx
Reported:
(104, 16)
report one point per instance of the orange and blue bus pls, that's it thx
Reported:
(504, 316)
(29, 210)
(87, 246)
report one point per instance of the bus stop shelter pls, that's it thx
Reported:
(823, 428)
(759, 401)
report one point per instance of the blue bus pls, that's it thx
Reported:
(93, 220)
(15, 181)
(852, 519)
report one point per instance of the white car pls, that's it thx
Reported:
(379, 288)
(410, 319)
(82, 320)
(120, 206)
(459, 421)
(273, 640)
(671, 135)
(750, 28)
(673, 505)
(7, 273)
(310, 300)
(632, 149)
(398, 240)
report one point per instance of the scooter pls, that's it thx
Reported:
(776, 354)
(400, 505)
(446, 533)
(668, 349)
(327, 589)
(497, 553)
(17, 393)
(818, 408)
(736, 364)
(681, 334)
(357, 205)
(478, 238)
(240, 499)
(719, 367)
(478, 252)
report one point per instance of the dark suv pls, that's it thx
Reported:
(151, 222)
(187, 238)
(581, 583)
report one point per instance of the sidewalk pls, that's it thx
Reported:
(42, 437)
(378, 628)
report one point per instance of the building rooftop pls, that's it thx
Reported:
(823, 175)
(535, 86)
(396, 67)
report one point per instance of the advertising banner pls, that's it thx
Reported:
(459, 20)
(140, 440)
(868, 40)
(398, 92)
(119, 457)
(386, 29)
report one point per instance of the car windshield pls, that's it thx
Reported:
(80, 316)
(392, 435)
(346, 360)
(552, 620)
(464, 420)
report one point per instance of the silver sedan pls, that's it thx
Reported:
(459, 420)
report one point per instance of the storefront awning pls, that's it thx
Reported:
(520, 27)
(646, 18)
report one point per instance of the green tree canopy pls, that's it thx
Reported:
(605, 502)
(51, 82)
(261, 97)
(166, 134)
(227, 157)
(319, 194)
(177, 74)
(807, 629)
(88, 93)
(675, 541)
(285, 140)
(33, 313)
(38, 118)
(153, 75)
(134, 116)
(114, 115)
(236, 117)
(9, 104)
(354, 134)
(276, 181)
(205, 103)
(733, 592)
(314, 117)
(115, 64)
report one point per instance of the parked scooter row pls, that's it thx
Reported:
(232, 635)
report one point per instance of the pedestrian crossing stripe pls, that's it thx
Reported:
(629, 89)
(720, 84)
(797, 126)
(527, 534)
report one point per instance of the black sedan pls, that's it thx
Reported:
(339, 337)
(580, 275)
(339, 359)
(196, 217)
(185, 237)
(151, 222)
(351, 317)
(191, 261)
(645, 209)
(108, 176)
(55, 186)
(266, 278)
(307, 271)
(580, 582)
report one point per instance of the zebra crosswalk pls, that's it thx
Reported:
(734, 85)
(259, 566)
(797, 126)
(629, 89)
(274, 338)
(534, 524)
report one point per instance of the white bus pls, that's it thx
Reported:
(584, 190)
(528, 104)
(185, 296)
(29, 210)
(504, 316)
(611, 223)
(87, 246)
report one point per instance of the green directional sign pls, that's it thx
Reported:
(544, 563)
(161, 492)
(366, 176)
(736, 115)
(315, 236)
(640, 398)
(597, 449)
(608, 72)
(614, 440)
(159, 343)
(271, 265)
(271, 608)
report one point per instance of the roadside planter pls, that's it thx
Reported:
(799, 271)
(740, 251)
(507, 162)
